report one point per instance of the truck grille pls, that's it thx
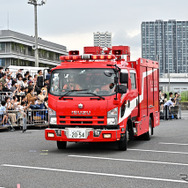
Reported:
(81, 120)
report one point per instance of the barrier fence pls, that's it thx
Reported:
(17, 118)
(173, 112)
(5, 94)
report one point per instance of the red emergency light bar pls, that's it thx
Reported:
(85, 57)
(102, 57)
(70, 57)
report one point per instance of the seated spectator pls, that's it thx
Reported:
(20, 81)
(41, 98)
(9, 82)
(31, 98)
(1, 87)
(25, 84)
(7, 71)
(30, 84)
(4, 82)
(1, 72)
(15, 103)
(35, 78)
(3, 114)
(22, 91)
(46, 102)
(30, 79)
(45, 89)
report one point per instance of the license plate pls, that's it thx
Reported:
(77, 133)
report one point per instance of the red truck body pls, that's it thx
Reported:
(131, 110)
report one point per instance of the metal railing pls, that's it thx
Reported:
(172, 112)
(5, 94)
(16, 118)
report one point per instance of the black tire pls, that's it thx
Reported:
(147, 136)
(61, 145)
(122, 144)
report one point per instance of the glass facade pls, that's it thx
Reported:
(166, 42)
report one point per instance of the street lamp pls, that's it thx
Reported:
(35, 3)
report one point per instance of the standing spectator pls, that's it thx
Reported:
(48, 75)
(9, 107)
(23, 115)
(177, 99)
(170, 95)
(19, 73)
(26, 75)
(40, 79)
(1, 72)
(3, 114)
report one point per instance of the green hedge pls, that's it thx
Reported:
(184, 96)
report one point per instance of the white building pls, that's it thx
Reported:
(174, 82)
(18, 49)
(102, 39)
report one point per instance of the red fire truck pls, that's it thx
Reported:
(102, 96)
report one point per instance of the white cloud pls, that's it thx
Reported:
(73, 41)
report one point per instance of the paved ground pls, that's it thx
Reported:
(31, 161)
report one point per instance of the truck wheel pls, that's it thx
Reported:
(122, 144)
(61, 145)
(147, 136)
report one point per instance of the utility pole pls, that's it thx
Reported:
(35, 3)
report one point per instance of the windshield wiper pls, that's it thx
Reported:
(95, 95)
(71, 91)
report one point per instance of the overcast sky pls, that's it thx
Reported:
(72, 22)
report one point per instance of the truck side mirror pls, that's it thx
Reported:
(123, 78)
(122, 89)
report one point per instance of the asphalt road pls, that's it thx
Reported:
(30, 161)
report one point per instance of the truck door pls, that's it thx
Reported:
(150, 90)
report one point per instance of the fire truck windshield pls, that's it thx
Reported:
(94, 81)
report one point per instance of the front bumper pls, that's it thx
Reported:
(61, 135)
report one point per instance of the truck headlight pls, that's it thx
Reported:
(52, 116)
(112, 116)
(53, 120)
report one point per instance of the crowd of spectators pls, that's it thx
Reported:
(21, 92)
(169, 103)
